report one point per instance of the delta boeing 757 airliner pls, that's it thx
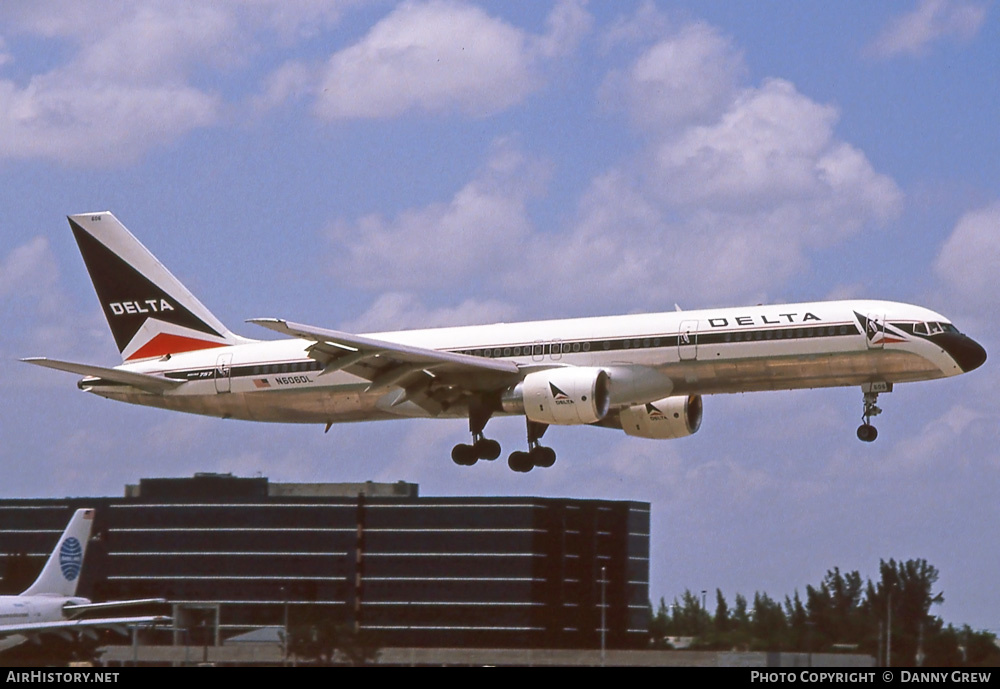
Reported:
(642, 374)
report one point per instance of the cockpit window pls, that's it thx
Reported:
(933, 328)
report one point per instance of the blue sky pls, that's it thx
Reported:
(373, 166)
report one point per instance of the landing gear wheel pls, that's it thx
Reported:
(542, 456)
(482, 447)
(464, 455)
(867, 433)
(520, 462)
(487, 449)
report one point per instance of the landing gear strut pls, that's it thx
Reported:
(481, 447)
(866, 432)
(537, 455)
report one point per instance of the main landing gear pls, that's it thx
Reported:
(481, 447)
(537, 455)
(484, 448)
(866, 432)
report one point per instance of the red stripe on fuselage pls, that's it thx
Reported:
(165, 343)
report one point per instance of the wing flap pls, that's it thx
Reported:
(142, 381)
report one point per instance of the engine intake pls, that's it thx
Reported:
(563, 396)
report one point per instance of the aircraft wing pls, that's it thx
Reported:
(117, 623)
(75, 610)
(432, 379)
(143, 381)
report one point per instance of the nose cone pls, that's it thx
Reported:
(966, 352)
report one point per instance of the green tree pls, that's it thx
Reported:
(901, 600)
(659, 625)
(980, 648)
(834, 609)
(741, 615)
(688, 617)
(799, 626)
(721, 621)
(769, 624)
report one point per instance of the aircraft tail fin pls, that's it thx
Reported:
(61, 572)
(150, 312)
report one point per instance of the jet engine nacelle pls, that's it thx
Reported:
(671, 417)
(565, 396)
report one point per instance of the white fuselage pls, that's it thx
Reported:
(648, 356)
(31, 610)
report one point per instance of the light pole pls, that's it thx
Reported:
(604, 586)
(284, 635)
(888, 630)
(704, 610)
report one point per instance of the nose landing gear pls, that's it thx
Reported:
(866, 431)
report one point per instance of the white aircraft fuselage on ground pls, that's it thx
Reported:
(643, 374)
(50, 605)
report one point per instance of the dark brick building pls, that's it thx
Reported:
(498, 572)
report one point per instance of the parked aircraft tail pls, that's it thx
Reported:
(61, 573)
(150, 312)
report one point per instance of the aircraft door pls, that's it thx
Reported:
(223, 373)
(687, 340)
(875, 330)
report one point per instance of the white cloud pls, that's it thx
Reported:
(647, 23)
(930, 21)
(96, 123)
(968, 261)
(725, 201)
(290, 81)
(687, 77)
(943, 442)
(441, 56)
(404, 310)
(773, 145)
(467, 238)
(727, 198)
(29, 269)
(725, 207)
(122, 91)
(39, 319)
(129, 82)
(567, 24)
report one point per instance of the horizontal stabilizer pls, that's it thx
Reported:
(142, 381)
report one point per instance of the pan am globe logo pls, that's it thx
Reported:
(70, 558)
